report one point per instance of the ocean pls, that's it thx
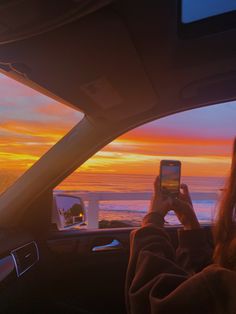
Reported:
(205, 192)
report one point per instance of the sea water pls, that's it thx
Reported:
(205, 193)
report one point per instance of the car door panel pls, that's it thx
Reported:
(89, 267)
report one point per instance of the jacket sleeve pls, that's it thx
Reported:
(194, 251)
(154, 280)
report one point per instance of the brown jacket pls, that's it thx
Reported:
(160, 280)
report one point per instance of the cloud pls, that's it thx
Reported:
(12, 88)
(20, 102)
(107, 162)
(38, 129)
(170, 146)
(51, 109)
(30, 123)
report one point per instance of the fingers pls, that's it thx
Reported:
(157, 189)
(157, 183)
(166, 204)
(184, 187)
(161, 202)
(185, 195)
(178, 204)
(160, 205)
(182, 206)
(185, 190)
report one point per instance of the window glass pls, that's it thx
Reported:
(193, 10)
(118, 180)
(30, 123)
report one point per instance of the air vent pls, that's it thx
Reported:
(25, 257)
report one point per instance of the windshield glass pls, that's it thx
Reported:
(30, 123)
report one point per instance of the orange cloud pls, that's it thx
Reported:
(37, 128)
(172, 148)
(131, 163)
(23, 142)
(25, 138)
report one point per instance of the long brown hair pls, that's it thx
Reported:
(225, 227)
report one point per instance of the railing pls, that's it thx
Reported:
(93, 199)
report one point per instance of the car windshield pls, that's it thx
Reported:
(30, 123)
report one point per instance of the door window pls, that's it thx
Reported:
(116, 184)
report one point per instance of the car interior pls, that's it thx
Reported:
(122, 63)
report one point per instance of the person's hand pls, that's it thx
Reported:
(161, 202)
(183, 208)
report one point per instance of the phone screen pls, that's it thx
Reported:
(170, 176)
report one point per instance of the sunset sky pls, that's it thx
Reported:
(31, 123)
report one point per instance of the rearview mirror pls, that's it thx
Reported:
(68, 211)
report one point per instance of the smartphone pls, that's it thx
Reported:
(170, 171)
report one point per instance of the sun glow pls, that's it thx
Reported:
(31, 123)
(135, 163)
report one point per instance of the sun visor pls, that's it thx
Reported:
(91, 64)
